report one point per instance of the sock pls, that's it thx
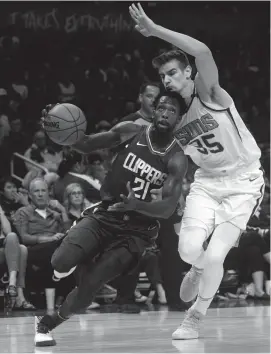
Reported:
(201, 304)
(52, 321)
(209, 284)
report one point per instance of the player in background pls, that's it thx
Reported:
(229, 183)
(118, 232)
(148, 93)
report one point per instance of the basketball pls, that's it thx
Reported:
(65, 124)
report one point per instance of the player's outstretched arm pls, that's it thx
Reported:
(106, 140)
(207, 80)
(171, 193)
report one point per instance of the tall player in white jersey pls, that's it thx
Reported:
(229, 183)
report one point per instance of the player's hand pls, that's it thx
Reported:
(156, 194)
(45, 111)
(128, 204)
(144, 24)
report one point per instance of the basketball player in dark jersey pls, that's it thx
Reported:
(111, 241)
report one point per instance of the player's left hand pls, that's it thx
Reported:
(156, 194)
(129, 202)
(143, 24)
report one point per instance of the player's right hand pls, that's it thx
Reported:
(144, 24)
(45, 111)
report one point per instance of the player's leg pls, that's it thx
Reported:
(82, 240)
(210, 279)
(231, 216)
(110, 265)
(223, 239)
(236, 210)
(197, 224)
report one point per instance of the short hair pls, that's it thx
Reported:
(30, 176)
(172, 94)
(165, 57)
(37, 179)
(143, 87)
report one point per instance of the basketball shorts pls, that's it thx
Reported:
(215, 200)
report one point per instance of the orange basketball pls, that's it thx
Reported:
(65, 124)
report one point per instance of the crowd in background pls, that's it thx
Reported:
(102, 77)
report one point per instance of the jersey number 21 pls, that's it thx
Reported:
(142, 187)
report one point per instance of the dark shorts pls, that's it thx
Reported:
(102, 231)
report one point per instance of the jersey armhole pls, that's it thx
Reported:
(122, 145)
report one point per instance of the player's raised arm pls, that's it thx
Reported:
(207, 77)
(171, 192)
(106, 140)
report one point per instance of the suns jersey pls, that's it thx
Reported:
(216, 139)
(141, 165)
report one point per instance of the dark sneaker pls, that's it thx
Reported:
(43, 336)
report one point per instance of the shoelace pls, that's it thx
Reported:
(190, 321)
(42, 328)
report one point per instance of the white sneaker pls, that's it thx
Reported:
(189, 329)
(190, 284)
(43, 336)
(59, 276)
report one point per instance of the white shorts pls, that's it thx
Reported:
(215, 200)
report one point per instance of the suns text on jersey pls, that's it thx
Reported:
(145, 170)
(195, 128)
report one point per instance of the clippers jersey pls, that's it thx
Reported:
(216, 139)
(139, 164)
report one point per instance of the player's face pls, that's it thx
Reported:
(147, 98)
(173, 77)
(39, 194)
(76, 197)
(166, 114)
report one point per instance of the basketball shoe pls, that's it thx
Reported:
(43, 327)
(190, 284)
(189, 329)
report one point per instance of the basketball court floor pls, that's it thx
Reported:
(232, 327)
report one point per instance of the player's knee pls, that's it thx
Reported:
(60, 262)
(190, 247)
(214, 257)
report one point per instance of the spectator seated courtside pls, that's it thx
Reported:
(14, 255)
(75, 201)
(41, 225)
